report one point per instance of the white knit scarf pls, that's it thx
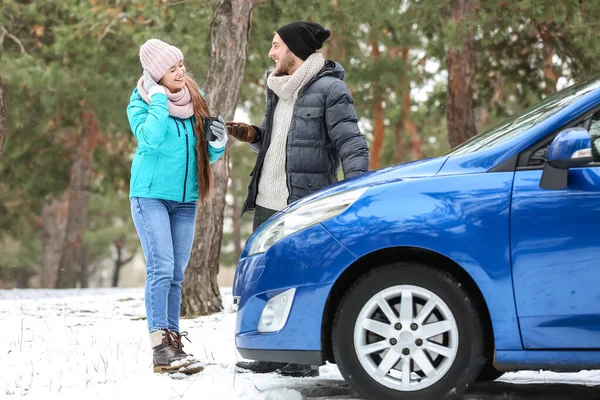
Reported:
(287, 86)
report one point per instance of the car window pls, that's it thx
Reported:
(538, 158)
(595, 124)
(596, 150)
(533, 115)
(595, 133)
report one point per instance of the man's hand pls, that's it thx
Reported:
(242, 132)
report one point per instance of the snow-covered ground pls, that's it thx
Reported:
(93, 344)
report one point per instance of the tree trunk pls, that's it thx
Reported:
(411, 128)
(2, 119)
(54, 216)
(415, 141)
(69, 267)
(404, 88)
(485, 111)
(120, 262)
(548, 67)
(399, 134)
(378, 115)
(84, 274)
(118, 266)
(229, 31)
(23, 276)
(334, 48)
(461, 79)
(378, 133)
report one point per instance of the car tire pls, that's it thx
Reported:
(430, 375)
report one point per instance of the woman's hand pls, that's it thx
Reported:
(218, 128)
(150, 85)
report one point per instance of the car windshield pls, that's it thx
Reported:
(533, 115)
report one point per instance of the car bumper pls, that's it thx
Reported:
(309, 261)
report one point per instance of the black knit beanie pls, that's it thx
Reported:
(303, 37)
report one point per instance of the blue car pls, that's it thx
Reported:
(421, 278)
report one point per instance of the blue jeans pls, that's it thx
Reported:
(166, 230)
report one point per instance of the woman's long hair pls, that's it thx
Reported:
(201, 111)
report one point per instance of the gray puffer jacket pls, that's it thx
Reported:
(323, 133)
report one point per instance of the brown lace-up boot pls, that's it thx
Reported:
(176, 339)
(165, 355)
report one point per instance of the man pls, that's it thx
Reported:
(310, 126)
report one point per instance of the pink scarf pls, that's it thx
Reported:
(180, 103)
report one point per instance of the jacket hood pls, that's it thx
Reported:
(333, 69)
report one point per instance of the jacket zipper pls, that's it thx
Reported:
(300, 94)
(177, 126)
(288, 178)
(187, 160)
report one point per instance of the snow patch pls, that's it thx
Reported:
(93, 344)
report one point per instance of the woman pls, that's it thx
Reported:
(169, 173)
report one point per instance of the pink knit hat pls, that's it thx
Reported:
(158, 57)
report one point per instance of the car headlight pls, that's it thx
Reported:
(301, 217)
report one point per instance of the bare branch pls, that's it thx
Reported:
(176, 3)
(107, 30)
(128, 259)
(3, 33)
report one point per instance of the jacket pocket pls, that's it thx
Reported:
(309, 122)
(309, 182)
(153, 176)
(309, 112)
(142, 172)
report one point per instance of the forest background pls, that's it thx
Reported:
(425, 77)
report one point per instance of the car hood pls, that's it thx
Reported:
(415, 169)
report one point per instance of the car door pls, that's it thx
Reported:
(555, 249)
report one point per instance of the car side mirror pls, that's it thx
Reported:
(571, 148)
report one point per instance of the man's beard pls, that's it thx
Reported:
(285, 64)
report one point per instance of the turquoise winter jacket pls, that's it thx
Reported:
(164, 165)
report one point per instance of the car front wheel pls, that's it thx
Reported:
(408, 331)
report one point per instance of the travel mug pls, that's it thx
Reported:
(208, 134)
